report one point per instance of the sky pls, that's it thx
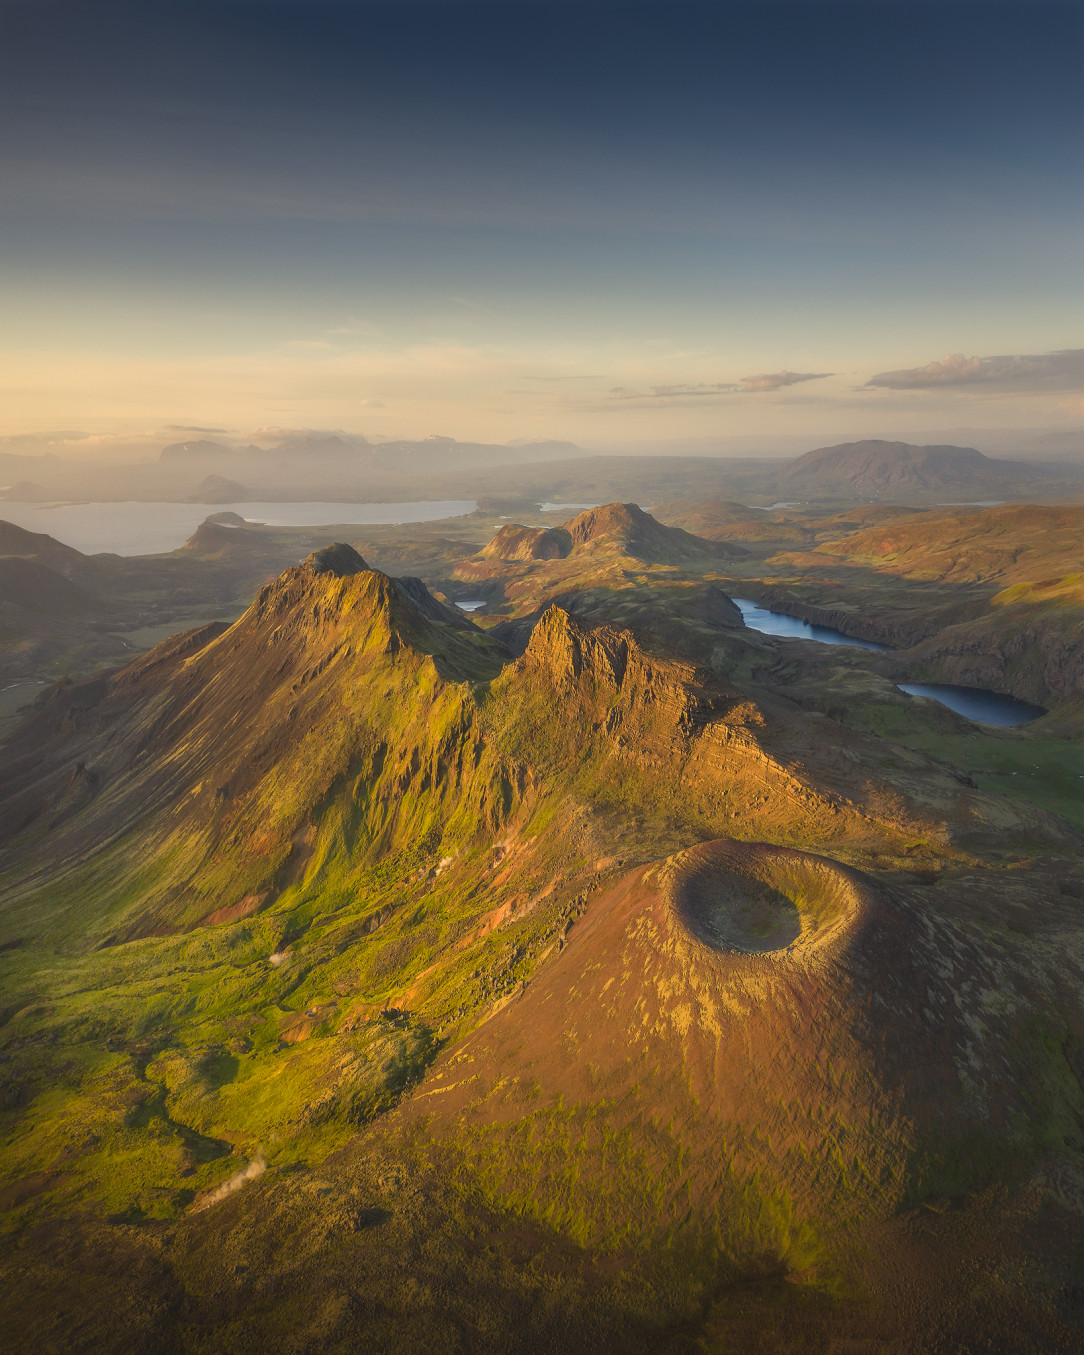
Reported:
(609, 223)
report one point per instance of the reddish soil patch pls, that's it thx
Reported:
(235, 911)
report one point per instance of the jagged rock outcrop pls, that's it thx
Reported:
(620, 528)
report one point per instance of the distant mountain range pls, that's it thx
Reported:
(351, 469)
(356, 454)
(851, 472)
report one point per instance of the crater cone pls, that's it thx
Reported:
(754, 899)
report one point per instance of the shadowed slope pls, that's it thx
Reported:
(34, 588)
(18, 543)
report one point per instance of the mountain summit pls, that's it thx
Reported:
(629, 528)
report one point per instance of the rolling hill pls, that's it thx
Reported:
(898, 471)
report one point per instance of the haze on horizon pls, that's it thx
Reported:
(609, 224)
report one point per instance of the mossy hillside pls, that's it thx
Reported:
(322, 686)
(367, 924)
(612, 1189)
(268, 1038)
(357, 739)
(1010, 542)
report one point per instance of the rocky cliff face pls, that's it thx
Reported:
(1036, 656)
(668, 743)
(1033, 652)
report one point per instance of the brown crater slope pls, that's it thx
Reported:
(782, 1105)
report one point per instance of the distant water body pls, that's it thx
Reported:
(154, 528)
(975, 703)
(793, 628)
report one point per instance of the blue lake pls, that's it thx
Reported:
(976, 703)
(793, 628)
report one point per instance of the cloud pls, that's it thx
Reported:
(670, 392)
(773, 381)
(267, 433)
(766, 381)
(1063, 370)
(576, 376)
(193, 428)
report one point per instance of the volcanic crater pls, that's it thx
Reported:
(756, 899)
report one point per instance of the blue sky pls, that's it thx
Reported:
(597, 221)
